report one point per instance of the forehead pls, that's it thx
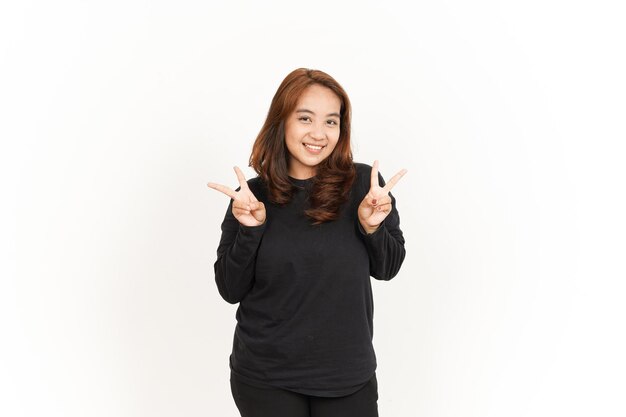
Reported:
(317, 97)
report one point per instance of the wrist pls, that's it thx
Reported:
(369, 229)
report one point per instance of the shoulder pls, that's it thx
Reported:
(255, 182)
(258, 187)
(363, 173)
(362, 169)
(362, 178)
(360, 166)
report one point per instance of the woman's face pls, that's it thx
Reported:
(312, 130)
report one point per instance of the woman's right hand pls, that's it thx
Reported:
(246, 208)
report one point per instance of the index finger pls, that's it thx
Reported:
(226, 190)
(394, 180)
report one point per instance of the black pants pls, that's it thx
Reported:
(272, 402)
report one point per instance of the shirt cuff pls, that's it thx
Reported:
(374, 233)
(252, 230)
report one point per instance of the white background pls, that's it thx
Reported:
(508, 115)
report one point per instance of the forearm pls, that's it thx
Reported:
(386, 251)
(234, 268)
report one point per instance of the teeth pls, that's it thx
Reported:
(313, 146)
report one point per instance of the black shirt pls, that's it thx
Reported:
(305, 315)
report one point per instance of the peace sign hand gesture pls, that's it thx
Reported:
(246, 208)
(377, 202)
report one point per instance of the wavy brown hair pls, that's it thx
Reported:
(270, 157)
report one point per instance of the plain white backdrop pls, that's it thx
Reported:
(509, 117)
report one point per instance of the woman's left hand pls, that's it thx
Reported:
(377, 202)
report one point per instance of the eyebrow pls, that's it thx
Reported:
(309, 111)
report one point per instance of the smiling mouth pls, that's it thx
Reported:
(314, 147)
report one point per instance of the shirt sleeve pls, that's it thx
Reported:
(385, 246)
(236, 257)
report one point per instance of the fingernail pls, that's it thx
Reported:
(374, 201)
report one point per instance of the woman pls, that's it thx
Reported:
(299, 244)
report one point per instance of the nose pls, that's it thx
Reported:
(317, 133)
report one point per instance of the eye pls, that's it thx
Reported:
(333, 122)
(304, 118)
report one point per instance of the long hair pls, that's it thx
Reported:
(270, 156)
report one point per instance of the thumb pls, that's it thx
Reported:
(257, 209)
(257, 205)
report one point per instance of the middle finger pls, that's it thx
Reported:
(394, 180)
(242, 179)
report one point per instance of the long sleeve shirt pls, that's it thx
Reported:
(305, 315)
